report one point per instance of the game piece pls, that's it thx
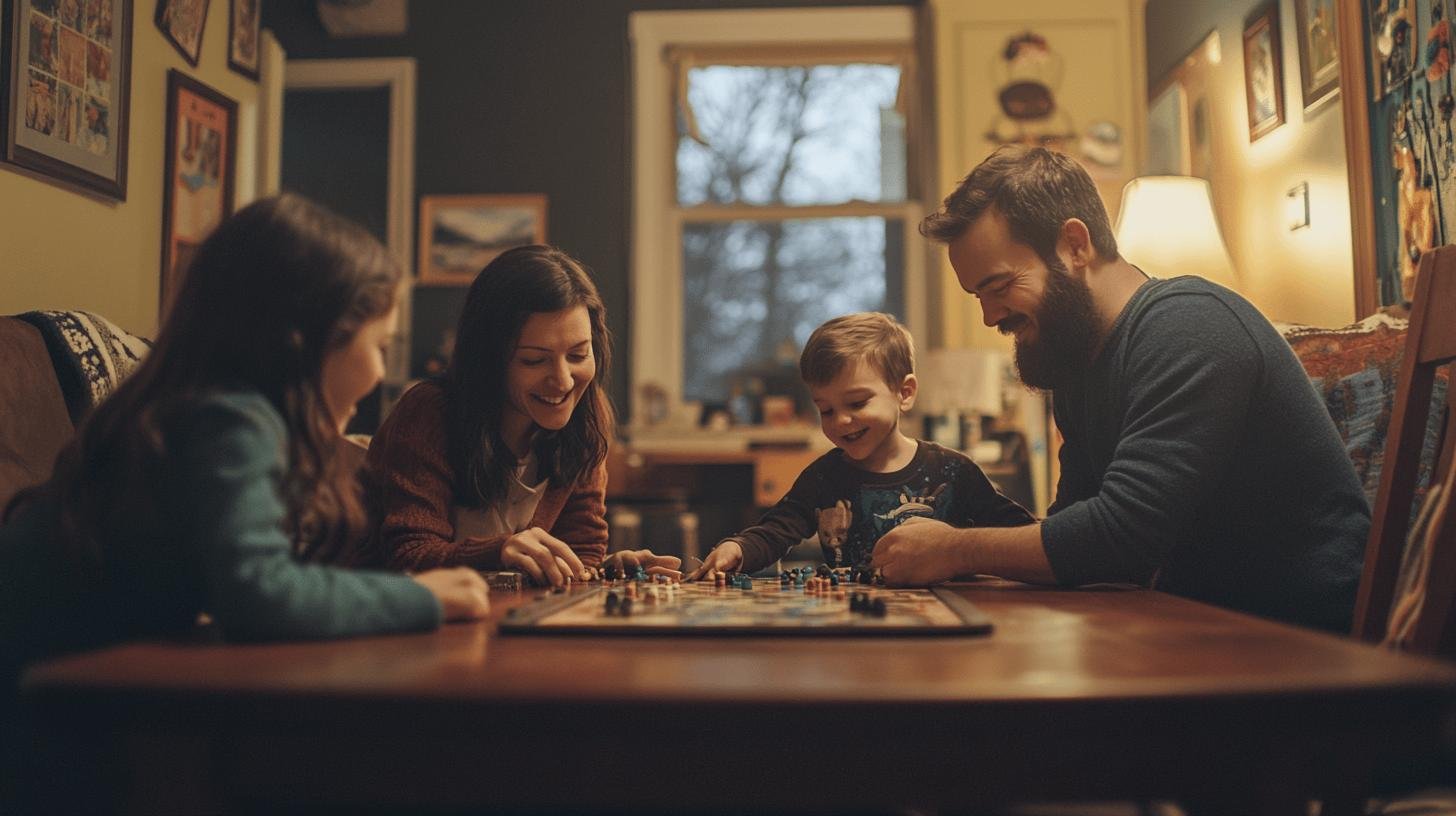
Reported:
(625, 609)
(502, 581)
(878, 608)
(822, 571)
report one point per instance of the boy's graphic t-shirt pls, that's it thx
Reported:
(848, 509)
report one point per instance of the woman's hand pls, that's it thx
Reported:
(627, 562)
(726, 557)
(542, 556)
(462, 593)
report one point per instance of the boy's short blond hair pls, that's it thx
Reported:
(875, 337)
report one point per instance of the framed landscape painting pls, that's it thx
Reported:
(67, 67)
(198, 187)
(460, 234)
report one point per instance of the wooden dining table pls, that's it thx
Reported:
(1088, 694)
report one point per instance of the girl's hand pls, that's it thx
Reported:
(542, 556)
(462, 593)
(626, 563)
(726, 557)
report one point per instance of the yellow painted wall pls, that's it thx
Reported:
(1100, 44)
(64, 250)
(1302, 276)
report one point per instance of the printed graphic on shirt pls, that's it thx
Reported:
(879, 510)
(834, 523)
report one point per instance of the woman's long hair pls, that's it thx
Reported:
(517, 284)
(271, 291)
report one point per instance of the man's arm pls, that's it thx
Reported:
(922, 551)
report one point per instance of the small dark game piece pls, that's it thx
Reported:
(878, 608)
(625, 609)
(823, 571)
(612, 572)
(613, 600)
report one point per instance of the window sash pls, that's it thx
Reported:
(656, 250)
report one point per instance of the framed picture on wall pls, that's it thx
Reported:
(67, 72)
(182, 22)
(197, 191)
(243, 37)
(1263, 71)
(460, 234)
(1319, 55)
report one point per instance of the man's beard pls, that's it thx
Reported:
(1068, 331)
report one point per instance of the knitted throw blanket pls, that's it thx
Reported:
(91, 355)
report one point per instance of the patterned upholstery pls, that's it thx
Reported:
(1355, 369)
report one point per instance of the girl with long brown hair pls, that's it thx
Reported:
(213, 477)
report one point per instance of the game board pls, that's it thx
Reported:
(768, 609)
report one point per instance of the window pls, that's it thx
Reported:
(779, 198)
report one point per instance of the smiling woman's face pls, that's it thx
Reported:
(548, 372)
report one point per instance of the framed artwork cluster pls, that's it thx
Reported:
(1316, 34)
(183, 21)
(67, 80)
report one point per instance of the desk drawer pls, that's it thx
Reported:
(774, 473)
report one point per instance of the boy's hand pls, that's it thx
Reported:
(921, 552)
(542, 556)
(460, 591)
(628, 561)
(726, 557)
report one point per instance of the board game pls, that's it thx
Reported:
(761, 607)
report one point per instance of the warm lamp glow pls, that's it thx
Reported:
(1166, 227)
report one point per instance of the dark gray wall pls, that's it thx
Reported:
(525, 97)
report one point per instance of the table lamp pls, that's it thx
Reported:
(1166, 227)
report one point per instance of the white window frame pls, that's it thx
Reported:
(657, 220)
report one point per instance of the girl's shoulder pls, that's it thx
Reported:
(218, 413)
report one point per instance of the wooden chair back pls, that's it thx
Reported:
(1430, 343)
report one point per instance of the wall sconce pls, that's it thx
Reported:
(1167, 227)
(1296, 206)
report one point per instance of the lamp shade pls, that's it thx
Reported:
(1166, 227)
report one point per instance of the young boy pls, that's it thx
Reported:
(860, 372)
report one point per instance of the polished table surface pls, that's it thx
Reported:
(1091, 693)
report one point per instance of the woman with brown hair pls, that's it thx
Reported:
(501, 463)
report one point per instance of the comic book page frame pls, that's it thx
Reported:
(69, 149)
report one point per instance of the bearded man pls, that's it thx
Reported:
(1197, 457)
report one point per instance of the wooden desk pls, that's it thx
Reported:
(630, 472)
(1088, 694)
